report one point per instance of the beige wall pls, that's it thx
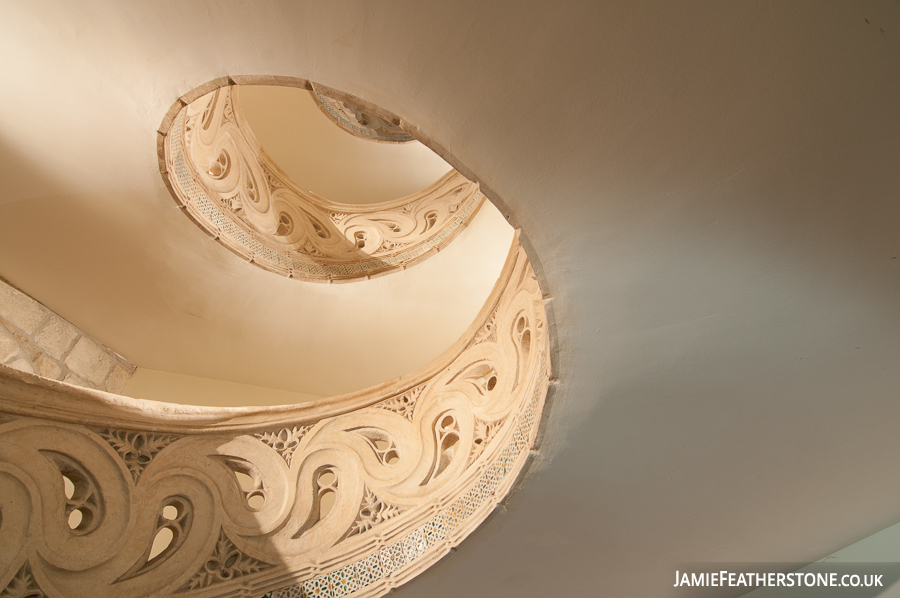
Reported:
(332, 163)
(194, 390)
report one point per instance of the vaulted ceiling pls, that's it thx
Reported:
(709, 190)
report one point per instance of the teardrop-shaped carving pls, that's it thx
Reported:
(382, 443)
(220, 167)
(482, 376)
(84, 503)
(175, 516)
(446, 433)
(248, 478)
(285, 225)
(325, 488)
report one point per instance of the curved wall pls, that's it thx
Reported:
(321, 157)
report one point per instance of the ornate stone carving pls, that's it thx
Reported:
(175, 515)
(228, 186)
(484, 432)
(404, 404)
(226, 563)
(285, 441)
(23, 585)
(137, 449)
(488, 333)
(359, 121)
(372, 511)
(356, 499)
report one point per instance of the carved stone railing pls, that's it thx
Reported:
(219, 174)
(351, 495)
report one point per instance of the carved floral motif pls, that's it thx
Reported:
(23, 585)
(137, 449)
(285, 441)
(404, 404)
(226, 563)
(372, 511)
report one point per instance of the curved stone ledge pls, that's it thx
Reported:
(221, 177)
(348, 497)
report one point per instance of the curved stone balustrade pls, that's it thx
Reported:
(224, 181)
(358, 120)
(347, 496)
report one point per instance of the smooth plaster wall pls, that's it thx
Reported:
(194, 390)
(332, 163)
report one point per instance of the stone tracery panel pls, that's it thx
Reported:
(350, 497)
(225, 182)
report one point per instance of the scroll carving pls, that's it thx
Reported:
(350, 498)
(227, 185)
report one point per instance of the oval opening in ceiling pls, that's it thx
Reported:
(327, 160)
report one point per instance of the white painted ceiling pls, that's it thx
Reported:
(711, 190)
(327, 160)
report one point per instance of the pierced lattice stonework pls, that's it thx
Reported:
(372, 511)
(226, 563)
(226, 184)
(285, 441)
(23, 585)
(404, 404)
(137, 449)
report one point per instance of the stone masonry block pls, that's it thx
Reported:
(89, 361)
(20, 309)
(31, 350)
(77, 381)
(117, 380)
(8, 346)
(48, 367)
(22, 365)
(56, 336)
